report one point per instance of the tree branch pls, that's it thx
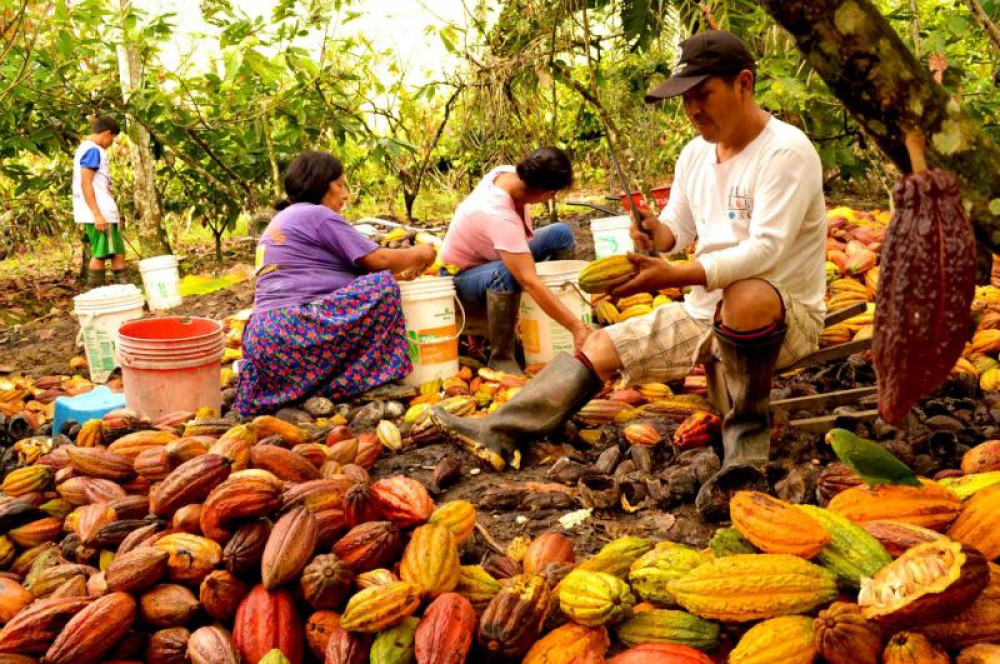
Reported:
(991, 28)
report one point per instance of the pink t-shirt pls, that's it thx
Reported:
(485, 224)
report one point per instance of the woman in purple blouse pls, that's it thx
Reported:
(327, 317)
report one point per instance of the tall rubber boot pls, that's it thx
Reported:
(121, 276)
(501, 319)
(562, 388)
(95, 278)
(746, 428)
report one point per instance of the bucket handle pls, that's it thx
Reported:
(576, 287)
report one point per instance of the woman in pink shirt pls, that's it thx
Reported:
(491, 239)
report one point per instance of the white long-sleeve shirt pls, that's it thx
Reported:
(759, 214)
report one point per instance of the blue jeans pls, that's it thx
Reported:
(472, 284)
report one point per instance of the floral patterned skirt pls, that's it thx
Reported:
(349, 342)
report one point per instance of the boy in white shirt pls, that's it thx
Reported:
(93, 204)
(749, 192)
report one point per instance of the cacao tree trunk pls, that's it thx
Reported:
(148, 207)
(866, 64)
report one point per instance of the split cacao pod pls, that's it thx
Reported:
(380, 607)
(748, 587)
(94, 631)
(844, 636)
(403, 500)
(931, 581)
(930, 505)
(326, 582)
(267, 620)
(446, 631)
(897, 536)
(430, 560)
(926, 285)
(912, 648)
(513, 620)
(774, 526)
(289, 548)
(567, 642)
(787, 639)
(212, 645)
(980, 623)
(698, 430)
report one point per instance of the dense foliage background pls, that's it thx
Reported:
(215, 135)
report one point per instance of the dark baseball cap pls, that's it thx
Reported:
(705, 54)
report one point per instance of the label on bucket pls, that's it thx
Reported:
(432, 345)
(530, 338)
(100, 349)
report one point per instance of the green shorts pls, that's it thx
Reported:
(106, 244)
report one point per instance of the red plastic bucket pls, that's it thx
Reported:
(171, 364)
(660, 194)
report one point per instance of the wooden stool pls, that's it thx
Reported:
(718, 395)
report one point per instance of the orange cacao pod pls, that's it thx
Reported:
(36, 533)
(283, 464)
(37, 625)
(331, 524)
(446, 631)
(267, 620)
(103, 491)
(314, 453)
(185, 449)
(642, 433)
(289, 548)
(319, 628)
(212, 645)
(369, 545)
(220, 594)
(98, 462)
(13, 598)
(545, 549)
(403, 500)
(774, 526)
(563, 644)
(235, 446)
(187, 519)
(930, 506)
(910, 648)
(188, 483)
(191, 557)
(267, 425)
(246, 494)
(375, 577)
(93, 631)
(137, 569)
(167, 605)
(459, 516)
(430, 560)
(91, 434)
(983, 458)
(661, 653)
(130, 445)
(317, 495)
(326, 582)
(843, 636)
(153, 464)
(698, 430)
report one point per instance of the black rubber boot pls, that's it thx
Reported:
(562, 388)
(95, 278)
(501, 320)
(121, 276)
(746, 428)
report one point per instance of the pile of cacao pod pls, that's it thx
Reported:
(198, 539)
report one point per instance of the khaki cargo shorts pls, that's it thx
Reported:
(668, 343)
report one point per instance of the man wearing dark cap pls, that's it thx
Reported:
(749, 192)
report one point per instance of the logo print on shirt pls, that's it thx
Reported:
(739, 205)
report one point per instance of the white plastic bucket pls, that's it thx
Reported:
(162, 282)
(611, 236)
(542, 337)
(431, 329)
(101, 312)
